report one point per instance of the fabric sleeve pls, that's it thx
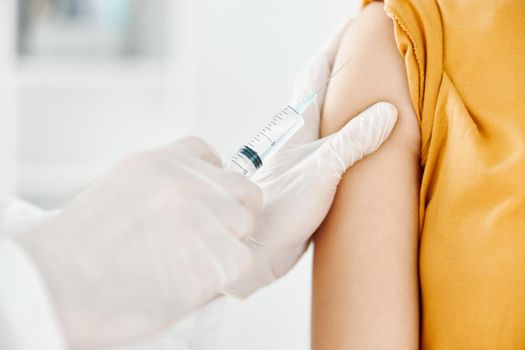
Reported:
(27, 317)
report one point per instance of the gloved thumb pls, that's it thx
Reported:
(360, 137)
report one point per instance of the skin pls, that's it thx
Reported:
(365, 288)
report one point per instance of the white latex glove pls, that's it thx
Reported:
(300, 181)
(152, 240)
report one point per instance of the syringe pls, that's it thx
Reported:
(251, 157)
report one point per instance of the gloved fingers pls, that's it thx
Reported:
(204, 251)
(233, 257)
(217, 253)
(288, 160)
(332, 46)
(320, 66)
(233, 199)
(317, 71)
(330, 53)
(234, 216)
(242, 189)
(360, 137)
(196, 147)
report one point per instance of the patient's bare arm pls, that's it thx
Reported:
(365, 290)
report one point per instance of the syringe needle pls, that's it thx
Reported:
(303, 104)
(332, 76)
(282, 127)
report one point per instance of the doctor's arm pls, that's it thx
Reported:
(126, 258)
(365, 290)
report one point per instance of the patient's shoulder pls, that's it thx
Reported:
(376, 20)
(376, 72)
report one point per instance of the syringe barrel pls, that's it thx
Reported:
(269, 140)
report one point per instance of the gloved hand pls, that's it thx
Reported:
(300, 181)
(152, 240)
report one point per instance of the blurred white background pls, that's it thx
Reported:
(85, 82)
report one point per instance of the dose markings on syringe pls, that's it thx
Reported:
(270, 134)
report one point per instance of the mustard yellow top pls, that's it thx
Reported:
(465, 62)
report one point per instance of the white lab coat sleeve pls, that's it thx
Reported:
(27, 317)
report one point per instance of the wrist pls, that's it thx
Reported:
(58, 266)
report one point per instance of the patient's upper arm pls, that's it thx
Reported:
(365, 292)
